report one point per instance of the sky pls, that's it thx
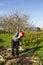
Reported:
(33, 8)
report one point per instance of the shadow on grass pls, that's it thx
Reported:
(2, 40)
(31, 50)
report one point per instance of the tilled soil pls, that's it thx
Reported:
(22, 59)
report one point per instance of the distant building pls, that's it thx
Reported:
(38, 28)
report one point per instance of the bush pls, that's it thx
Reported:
(33, 38)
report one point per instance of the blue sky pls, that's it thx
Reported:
(33, 8)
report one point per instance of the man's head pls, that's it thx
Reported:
(21, 34)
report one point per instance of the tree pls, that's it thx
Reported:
(19, 21)
(15, 22)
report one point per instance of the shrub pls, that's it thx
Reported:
(33, 38)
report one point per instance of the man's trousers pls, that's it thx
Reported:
(15, 45)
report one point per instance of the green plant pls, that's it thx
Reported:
(1, 63)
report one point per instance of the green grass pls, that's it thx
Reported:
(39, 52)
(1, 63)
(5, 40)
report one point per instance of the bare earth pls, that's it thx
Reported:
(23, 58)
